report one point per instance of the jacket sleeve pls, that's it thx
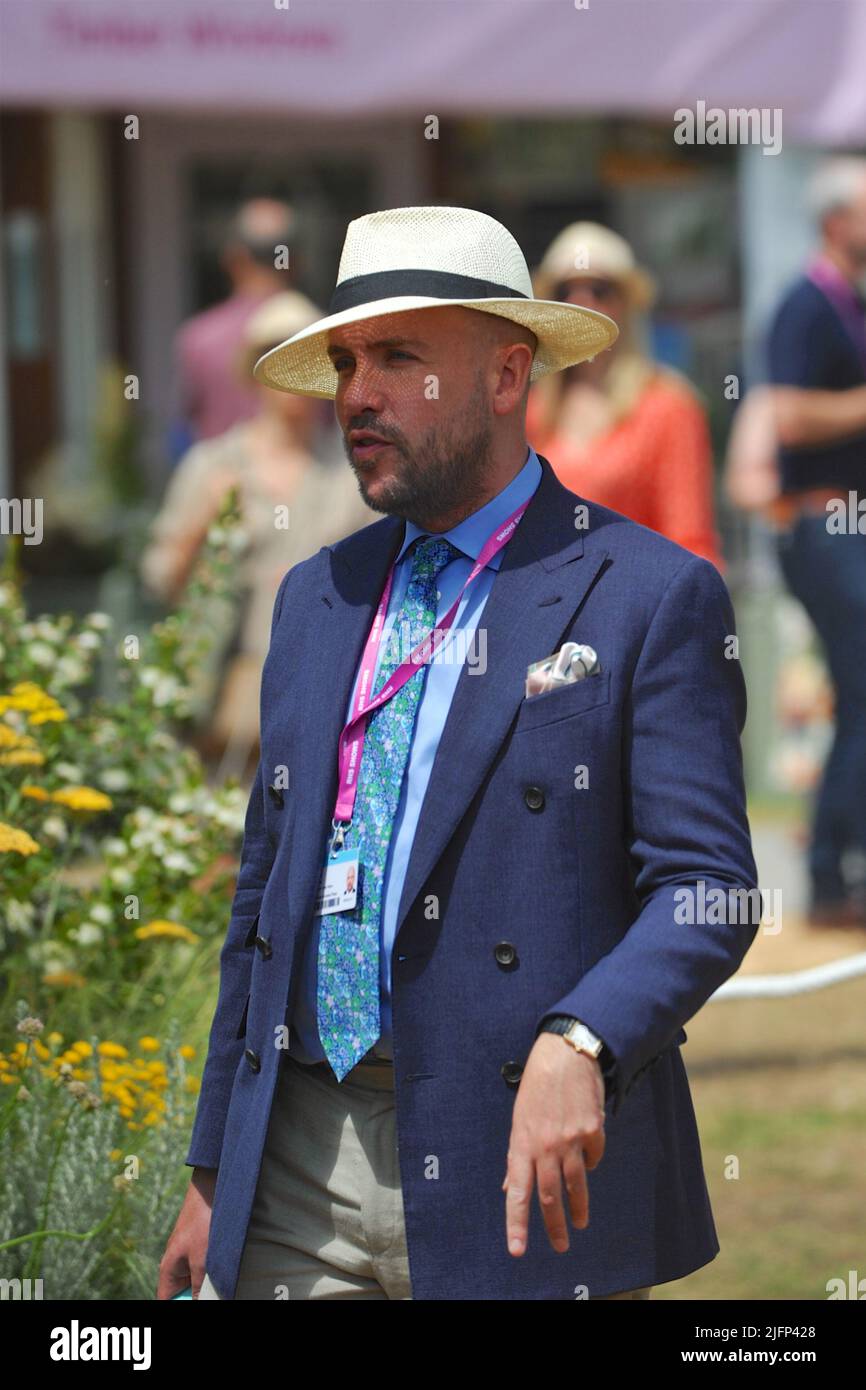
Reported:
(688, 834)
(224, 1047)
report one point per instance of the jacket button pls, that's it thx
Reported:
(264, 946)
(512, 1071)
(505, 953)
(534, 798)
(275, 794)
(252, 1059)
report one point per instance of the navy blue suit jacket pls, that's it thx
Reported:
(584, 881)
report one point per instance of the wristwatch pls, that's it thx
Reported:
(582, 1039)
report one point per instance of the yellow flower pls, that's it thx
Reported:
(149, 1044)
(38, 793)
(83, 799)
(22, 757)
(64, 978)
(81, 1049)
(55, 1038)
(160, 927)
(16, 840)
(10, 739)
(187, 1051)
(110, 1049)
(30, 697)
(115, 1154)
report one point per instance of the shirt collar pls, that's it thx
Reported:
(470, 534)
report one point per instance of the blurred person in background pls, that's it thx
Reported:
(276, 459)
(816, 365)
(623, 430)
(211, 395)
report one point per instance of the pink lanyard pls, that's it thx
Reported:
(352, 744)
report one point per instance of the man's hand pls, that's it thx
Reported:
(557, 1131)
(183, 1260)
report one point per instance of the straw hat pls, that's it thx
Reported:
(587, 249)
(425, 257)
(276, 318)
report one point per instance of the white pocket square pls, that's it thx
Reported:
(573, 662)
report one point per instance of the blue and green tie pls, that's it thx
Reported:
(348, 957)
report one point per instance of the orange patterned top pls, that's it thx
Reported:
(655, 466)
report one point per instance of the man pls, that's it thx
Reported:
(212, 396)
(817, 370)
(502, 1008)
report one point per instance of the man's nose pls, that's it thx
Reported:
(362, 393)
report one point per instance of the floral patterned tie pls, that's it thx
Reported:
(348, 958)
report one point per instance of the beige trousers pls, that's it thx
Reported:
(327, 1219)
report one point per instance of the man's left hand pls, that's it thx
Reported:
(557, 1131)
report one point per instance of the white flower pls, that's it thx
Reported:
(19, 915)
(88, 641)
(115, 779)
(41, 654)
(180, 863)
(114, 847)
(54, 828)
(101, 912)
(121, 878)
(50, 956)
(150, 676)
(166, 690)
(70, 671)
(70, 772)
(46, 629)
(180, 803)
(88, 934)
(98, 620)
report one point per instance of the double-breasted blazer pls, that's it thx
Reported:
(556, 840)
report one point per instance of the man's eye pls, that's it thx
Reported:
(340, 362)
(395, 352)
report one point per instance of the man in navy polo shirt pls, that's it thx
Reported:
(817, 362)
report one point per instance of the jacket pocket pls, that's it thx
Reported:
(551, 705)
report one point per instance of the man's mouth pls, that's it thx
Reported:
(366, 445)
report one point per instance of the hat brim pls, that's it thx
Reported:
(566, 333)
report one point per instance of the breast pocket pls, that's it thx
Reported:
(564, 703)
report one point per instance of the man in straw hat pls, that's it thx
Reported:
(457, 965)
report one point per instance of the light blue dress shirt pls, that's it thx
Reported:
(440, 681)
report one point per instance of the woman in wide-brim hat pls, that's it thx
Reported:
(623, 430)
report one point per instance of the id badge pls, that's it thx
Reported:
(338, 889)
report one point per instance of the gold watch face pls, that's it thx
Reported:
(579, 1034)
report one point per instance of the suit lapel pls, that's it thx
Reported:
(531, 602)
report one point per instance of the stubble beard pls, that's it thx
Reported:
(441, 478)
